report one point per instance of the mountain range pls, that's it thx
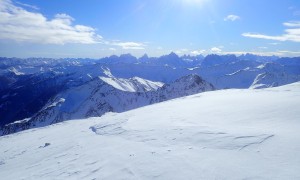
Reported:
(36, 92)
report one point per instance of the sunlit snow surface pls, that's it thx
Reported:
(227, 134)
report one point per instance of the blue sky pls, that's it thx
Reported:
(98, 28)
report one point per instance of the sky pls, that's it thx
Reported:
(99, 28)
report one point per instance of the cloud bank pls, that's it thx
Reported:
(292, 33)
(129, 45)
(231, 17)
(21, 25)
(215, 50)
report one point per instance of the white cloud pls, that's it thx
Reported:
(231, 17)
(112, 49)
(262, 36)
(215, 50)
(27, 5)
(181, 51)
(282, 53)
(129, 45)
(290, 34)
(263, 47)
(292, 24)
(198, 52)
(64, 17)
(289, 52)
(21, 25)
(274, 43)
(254, 52)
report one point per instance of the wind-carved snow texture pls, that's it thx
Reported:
(108, 129)
(256, 139)
(187, 136)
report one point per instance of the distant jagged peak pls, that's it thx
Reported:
(191, 81)
(173, 54)
(186, 56)
(123, 58)
(259, 58)
(145, 56)
(128, 55)
(113, 56)
(190, 78)
(212, 56)
(215, 59)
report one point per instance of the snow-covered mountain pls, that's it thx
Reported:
(244, 74)
(266, 80)
(108, 94)
(225, 134)
(134, 84)
(30, 84)
(214, 59)
(262, 59)
(273, 75)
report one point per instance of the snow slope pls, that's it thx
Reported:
(134, 84)
(226, 134)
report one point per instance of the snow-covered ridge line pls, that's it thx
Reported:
(134, 84)
(99, 96)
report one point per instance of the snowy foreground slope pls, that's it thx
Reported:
(226, 134)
